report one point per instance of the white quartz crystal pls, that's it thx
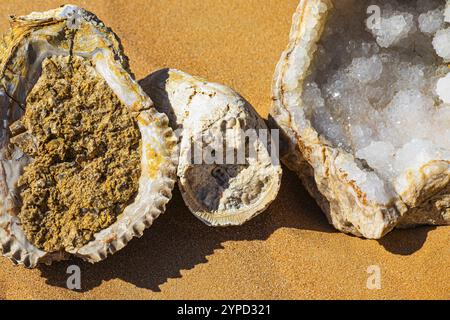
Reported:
(413, 154)
(380, 156)
(430, 22)
(441, 43)
(394, 28)
(443, 88)
(447, 12)
(366, 70)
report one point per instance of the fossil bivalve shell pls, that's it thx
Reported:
(70, 31)
(219, 194)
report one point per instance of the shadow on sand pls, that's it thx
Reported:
(405, 241)
(178, 241)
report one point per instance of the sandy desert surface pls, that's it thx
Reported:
(288, 252)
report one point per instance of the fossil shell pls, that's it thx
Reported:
(328, 172)
(32, 39)
(218, 194)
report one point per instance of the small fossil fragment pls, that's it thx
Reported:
(86, 161)
(363, 103)
(236, 174)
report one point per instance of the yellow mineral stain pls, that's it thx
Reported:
(143, 120)
(154, 160)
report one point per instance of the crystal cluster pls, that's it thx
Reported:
(382, 90)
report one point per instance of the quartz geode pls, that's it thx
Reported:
(362, 95)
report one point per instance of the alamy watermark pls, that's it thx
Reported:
(374, 280)
(232, 147)
(374, 19)
(74, 279)
(73, 19)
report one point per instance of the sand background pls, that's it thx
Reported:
(289, 251)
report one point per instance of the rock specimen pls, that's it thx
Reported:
(362, 96)
(87, 163)
(228, 168)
